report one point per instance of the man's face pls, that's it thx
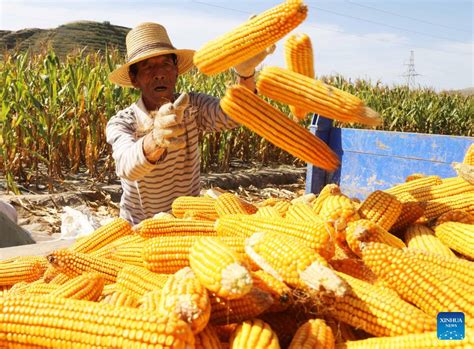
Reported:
(156, 78)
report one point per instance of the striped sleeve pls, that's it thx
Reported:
(210, 117)
(127, 151)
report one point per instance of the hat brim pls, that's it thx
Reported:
(121, 77)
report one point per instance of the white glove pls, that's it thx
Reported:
(168, 130)
(247, 68)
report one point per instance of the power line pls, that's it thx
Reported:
(384, 25)
(411, 72)
(408, 17)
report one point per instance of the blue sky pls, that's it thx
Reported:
(354, 38)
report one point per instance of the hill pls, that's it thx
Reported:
(65, 38)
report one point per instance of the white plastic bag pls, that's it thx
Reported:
(75, 224)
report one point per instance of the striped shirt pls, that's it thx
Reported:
(149, 188)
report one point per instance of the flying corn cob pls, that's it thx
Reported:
(421, 237)
(185, 297)
(299, 58)
(381, 208)
(219, 268)
(250, 38)
(457, 236)
(55, 322)
(314, 95)
(243, 106)
(254, 334)
(313, 334)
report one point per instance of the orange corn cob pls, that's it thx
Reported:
(431, 290)
(198, 216)
(314, 95)
(137, 280)
(219, 268)
(299, 58)
(435, 208)
(226, 311)
(103, 236)
(87, 286)
(207, 339)
(302, 212)
(203, 204)
(250, 38)
(243, 106)
(60, 279)
(118, 245)
(362, 231)
(292, 262)
(120, 299)
(455, 216)
(381, 208)
(159, 227)
(281, 293)
(130, 253)
(317, 236)
(402, 191)
(354, 267)
(254, 334)
(411, 211)
(420, 237)
(427, 340)
(185, 297)
(73, 264)
(458, 236)
(377, 311)
(469, 156)
(54, 322)
(20, 269)
(313, 334)
(229, 204)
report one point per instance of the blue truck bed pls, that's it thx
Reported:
(377, 160)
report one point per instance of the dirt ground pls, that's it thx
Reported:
(41, 212)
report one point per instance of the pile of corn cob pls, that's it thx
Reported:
(219, 272)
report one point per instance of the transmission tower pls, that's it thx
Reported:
(411, 73)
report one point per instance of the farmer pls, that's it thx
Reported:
(11, 234)
(155, 140)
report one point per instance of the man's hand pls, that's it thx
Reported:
(247, 68)
(168, 130)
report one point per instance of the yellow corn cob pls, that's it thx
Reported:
(120, 299)
(362, 231)
(108, 290)
(354, 267)
(108, 250)
(198, 216)
(50, 273)
(250, 38)
(455, 216)
(207, 339)
(435, 208)
(314, 95)
(420, 237)
(427, 340)
(73, 264)
(159, 227)
(302, 212)
(299, 58)
(227, 311)
(411, 211)
(292, 262)
(268, 212)
(37, 287)
(201, 204)
(19, 288)
(20, 269)
(406, 188)
(168, 254)
(219, 268)
(254, 334)
(381, 208)
(469, 156)
(282, 206)
(328, 189)
(338, 210)
(448, 187)
(317, 236)
(431, 290)
(4, 290)
(103, 236)
(455, 267)
(313, 334)
(60, 279)
(245, 107)
(87, 286)
(458, 236)
(54, 322)
(185, 297)
(377, 311)
(414, 176)
(229, 204)
(281, 293)
(137, 280)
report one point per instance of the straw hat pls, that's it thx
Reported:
(145, 41)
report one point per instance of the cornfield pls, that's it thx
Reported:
(54, 113)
